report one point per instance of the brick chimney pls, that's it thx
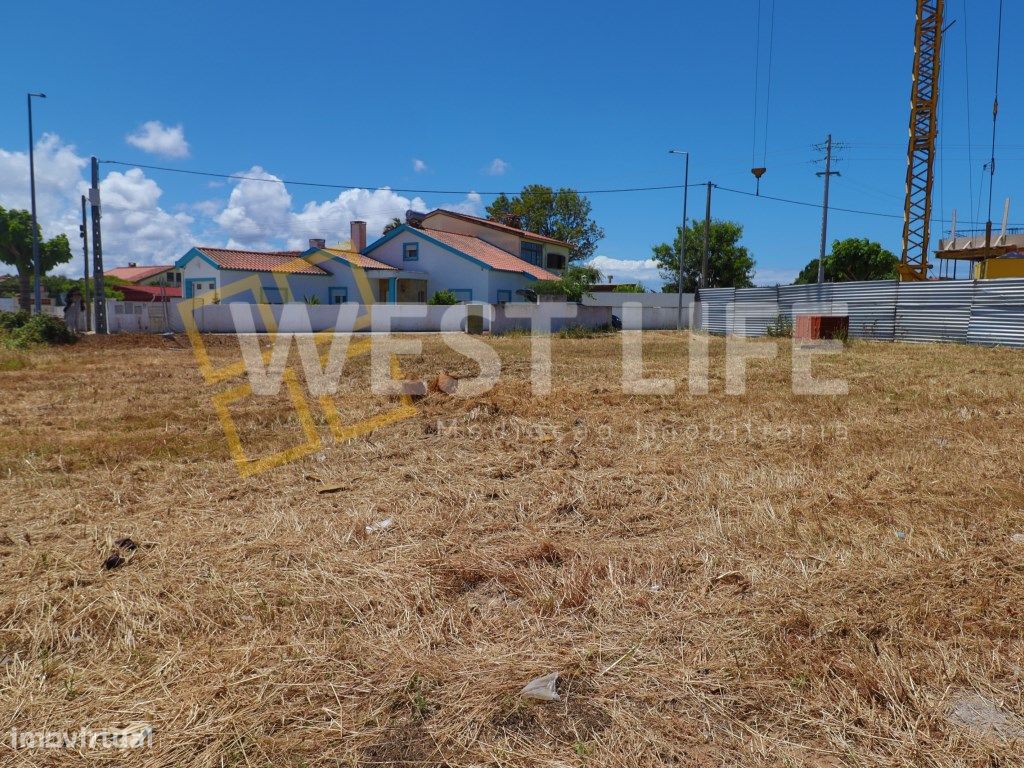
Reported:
(358, 229)
(317, 242)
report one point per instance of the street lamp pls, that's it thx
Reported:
(682, 246)
(37, 266)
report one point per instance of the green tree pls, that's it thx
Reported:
(730, 264)
(16, 250)
(395, 223)
(573, 284)
(630, 288)
(563, 214)
(853, 259)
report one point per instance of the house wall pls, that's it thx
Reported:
(168, 277)
(341, 277)
(504, 240)
(445, 270)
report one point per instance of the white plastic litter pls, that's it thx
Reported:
(380, 525)
(542, 688)
(1017, 538)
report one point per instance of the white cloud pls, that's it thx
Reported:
(472, 205)
(159, 139)
(629, 270)
(135, 227)
(497, 167)
(258, 212)
(419, 166)
(59, 185)
(770, 277)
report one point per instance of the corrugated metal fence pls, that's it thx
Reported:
(963, 311)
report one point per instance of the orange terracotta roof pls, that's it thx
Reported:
(289, 262)
(135, 274)
(497, 225)
(358, 260)
(488, 254)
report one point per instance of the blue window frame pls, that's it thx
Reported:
(531, 252)
(410, 251)
(337, 294)
(463, 294)
(504, 296)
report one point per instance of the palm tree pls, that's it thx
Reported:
(395, 223)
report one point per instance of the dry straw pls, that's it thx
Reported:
(756, 580)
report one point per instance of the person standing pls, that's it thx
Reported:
(74, 310)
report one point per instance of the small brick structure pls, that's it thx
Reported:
(811, 327)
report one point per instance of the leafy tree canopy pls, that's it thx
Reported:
(563, 214)
(16, 249)
(730, 265)
(853, 259)
(573, 284)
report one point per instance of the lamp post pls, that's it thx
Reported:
(682, 245)
(36, 265)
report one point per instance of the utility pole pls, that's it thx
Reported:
(97, 250)
(707, 240)
(828, 173)
(682, 245)
(37, 266)
(83, 230)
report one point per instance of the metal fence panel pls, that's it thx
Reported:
(714, 303)
(871, 307)
(934, 310)
(791, 296)
(997, 313)
(766, 298)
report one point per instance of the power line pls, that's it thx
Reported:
(806, 204)
(325, 185)
(242, 177)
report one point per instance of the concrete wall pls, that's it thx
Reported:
(647, 299)
(299, 318)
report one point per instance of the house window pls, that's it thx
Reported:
(531, 252)
(410, 251)
(337, 294)
(556, 261)
(463, 294)
(504, 296)
(271, 295)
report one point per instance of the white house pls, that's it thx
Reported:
(476, 259)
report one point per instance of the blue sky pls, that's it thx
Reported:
(489, 97)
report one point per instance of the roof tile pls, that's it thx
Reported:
(288, 262)
(489, 254)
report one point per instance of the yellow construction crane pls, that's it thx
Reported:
(924, 126)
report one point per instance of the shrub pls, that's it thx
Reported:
(40, 329)
(443, 298)
(780, 327)
(583, 332)
(11, 320)
(629, 288)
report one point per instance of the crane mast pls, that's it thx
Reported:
(924, 101)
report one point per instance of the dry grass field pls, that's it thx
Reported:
(719, 580)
